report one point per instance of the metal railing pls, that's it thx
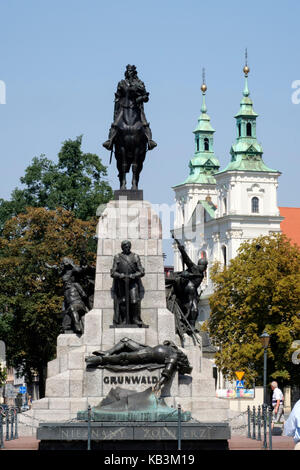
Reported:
(8, 425)
(260, 421)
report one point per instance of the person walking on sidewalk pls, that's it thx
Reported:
(277, 403)
(292, 425)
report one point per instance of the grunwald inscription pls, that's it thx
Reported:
(128, 380)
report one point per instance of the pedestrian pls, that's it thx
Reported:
(277, 403)
(292, 425)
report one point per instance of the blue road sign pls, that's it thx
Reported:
(239, 384)
(22, 389)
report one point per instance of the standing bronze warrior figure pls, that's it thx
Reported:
(127, 271)
(130, 134)
(76, 302)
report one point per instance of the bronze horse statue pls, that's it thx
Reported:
(130, 134)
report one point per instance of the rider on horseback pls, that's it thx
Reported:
(132, 86)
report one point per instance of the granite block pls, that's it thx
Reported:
(154, 264)
(103, 299)
(151, 247)
(103, 264)
(76, 359)
(58, 386)
(41, 404)
(149, 282)
(78, 404)
(93, 382)
(59, 403)
(165, 325)
(76, 383)
(93, 327)
(53, 368)
(63, 362)
(154, 299)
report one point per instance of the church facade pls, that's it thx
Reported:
(218, 209)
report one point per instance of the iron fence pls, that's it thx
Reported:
(260, 421)
(8, 425)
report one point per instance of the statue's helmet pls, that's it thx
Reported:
(124, 243)
(130, 68)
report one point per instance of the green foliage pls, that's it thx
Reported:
(259, 291)
(3, 375)
(51, 217)
(31, 295)
(75, 183)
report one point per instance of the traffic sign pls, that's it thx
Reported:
(239, 374)
(239, 384)
(9, 391)
(22, 390)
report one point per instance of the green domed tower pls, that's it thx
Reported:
(204, 163)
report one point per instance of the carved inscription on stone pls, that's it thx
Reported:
(134, 379)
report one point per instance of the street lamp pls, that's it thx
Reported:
(265, 339)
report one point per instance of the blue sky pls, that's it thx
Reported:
(61, 61)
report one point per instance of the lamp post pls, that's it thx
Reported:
(265, 339)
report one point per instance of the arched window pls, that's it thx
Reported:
(206, 144)
(255, 205)
(224, 206)
(249, 129)
(197, 143)
(239, 129)
(224, 252)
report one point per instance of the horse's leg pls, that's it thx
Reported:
(139, 157)
(121, 168)
(123, 173)
(135, 169)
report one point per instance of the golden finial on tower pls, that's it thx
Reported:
(203, 86)
(246, 69)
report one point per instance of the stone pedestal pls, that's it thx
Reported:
(69, 386)
(162, 436)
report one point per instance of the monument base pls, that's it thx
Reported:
(129, 326)
(129, 194)
(142, 436)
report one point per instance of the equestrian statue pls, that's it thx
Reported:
(130, 134)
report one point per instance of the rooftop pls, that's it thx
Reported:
(290, 226)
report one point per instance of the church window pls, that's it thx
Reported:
(224, 206)
(206, 144)
(255, 205)
(249, 129)
(224, 252)
(197, 143)
(240, 129)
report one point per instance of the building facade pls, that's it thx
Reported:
(217, 210)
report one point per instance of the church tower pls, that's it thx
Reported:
(196, 196)
(246, 192)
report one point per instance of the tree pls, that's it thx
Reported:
(259, 291)
(75, 183)
(3, 375)
(31, 295)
